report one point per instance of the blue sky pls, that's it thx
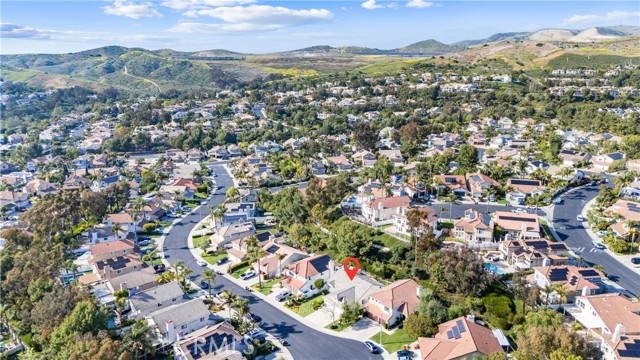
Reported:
(259, 26)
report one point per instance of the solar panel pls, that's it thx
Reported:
(451, 180)
(273, 249)
(456, 333)
(460, 325)
(525, 182)
(558, 274)
(588, 273)
(513, 218)
(449, 334)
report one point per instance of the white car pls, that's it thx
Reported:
(601, 233)
(581, 218)
(248, 275)
(519, 211)
(598, 245)
(283, 295)
(201, 263)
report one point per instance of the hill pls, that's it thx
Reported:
(428, 47)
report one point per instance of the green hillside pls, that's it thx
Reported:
(428, 47)
(589, 61)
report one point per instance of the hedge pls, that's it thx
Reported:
(237, 266)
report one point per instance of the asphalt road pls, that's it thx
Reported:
(305, 342)
(573, 233)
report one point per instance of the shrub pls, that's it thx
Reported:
(149, 227)
(203, 189)
(319, 283)
(317, 303)
(499, 310)
(233, 267)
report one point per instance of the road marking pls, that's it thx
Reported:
(597, 251)
(578, 249)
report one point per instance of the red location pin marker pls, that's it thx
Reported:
(351, 271)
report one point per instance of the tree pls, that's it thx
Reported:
(289, 207)
(365, 136)
(524, 291)
(460, 271)
(139, 340)
(85, 318)
(232, 194)
(318, 284)
(467, 158)
(417, 325)
(228, 298)
(209, 276)
(255, 253)
(353, 239)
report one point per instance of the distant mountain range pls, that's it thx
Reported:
(146, 70)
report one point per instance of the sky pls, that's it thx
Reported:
(259, 26)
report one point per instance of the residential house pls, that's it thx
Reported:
(394, 302)
(219, 152)
(628, 210)
(428, 216)
(122, 220)
(238, 212)
(365, 157)
(343, 289)
(100, 185)
(457, 184)
(13, 199)
(75, 182)
(278, 257)
(316, 168)
(395, 156)
(176, 321)
(134, 282)
(194, 155)
(108, 250)
(340, 162)
(480, 183)
(577, 280)
(226, 234)
(151, 300)
(239, 248)
(574, 158)
(535, 165)
(116, 266)
(383, 209)
(602, 162)
(300, 276)
(474, 227)
(517, 225)
(613, 320)
(38, 187)
(522, 188)
(526, 254)
(460, 338)
(216, 342)
(633, 165)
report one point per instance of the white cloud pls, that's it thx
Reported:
(131, 9)
(371, 5)
(419, 4)
(253, 18)
(199, 4)
(610, 17)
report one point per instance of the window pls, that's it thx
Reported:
(183, 327)
(201, 319)
(386, 309)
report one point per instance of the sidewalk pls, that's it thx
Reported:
(360, 331)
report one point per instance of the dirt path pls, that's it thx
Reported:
(126, 72)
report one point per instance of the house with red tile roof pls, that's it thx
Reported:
(394, 302)
(457, 184)
(459, 338)
(578, 280)
(299, 277)
(383, 209)
(474, 227)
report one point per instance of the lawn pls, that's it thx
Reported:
(213, 257)
(306, 308)
(503, 201)
(270, 286)
(239, 271)
(338, 328)
(395, 341)
(547, 231)
(200, 195)
(153, 262)
(201, 241)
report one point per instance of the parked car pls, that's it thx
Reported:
(218, 295)
(142, 238)
(248, 275)
(253, 333)
(201, 263)
(635, 260)
(253, 317)
(598, 245)
(159, 268)
(204, 285)
(144, 242)
(283, 295)
(172, 215)
(373, 348)
(581, 218)
(224, 260)
(404, 355)
(519, 211)
(558, 201)
(601, 233)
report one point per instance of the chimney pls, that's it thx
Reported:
(123, 286)
(586, 291)
(619, 331)
(107, 271)
(109, 221)
(171, 331)
(332, 267)
(418, 291)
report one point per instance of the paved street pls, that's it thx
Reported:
(572, 232)
(306, 343)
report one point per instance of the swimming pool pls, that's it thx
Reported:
(494, 269)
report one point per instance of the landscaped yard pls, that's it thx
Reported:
(547, 231)
(153, 262)
(213, 257)
(239, 271)
(270, 286)
(338, 329)
(201, 241)
(395, 341)
(200, 195)
(306, 308)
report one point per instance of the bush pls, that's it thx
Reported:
(317, 303)
(203, 189)
(149, 227)
(499, 310)
(237, 266)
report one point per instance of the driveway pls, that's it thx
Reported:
(306, 343)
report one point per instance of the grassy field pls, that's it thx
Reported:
(574, 60)
(395, 341)
(18, 76)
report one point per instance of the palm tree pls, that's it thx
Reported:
(217, 213)
(255, 253)
(227, 299)
(150, 255)
(139, 340)
(451, 198)
(547, 291)
(565, 172)
(280, 258)
(166, 277)
(209, 276)
(562, 291)
(242, 306)
(232, 194)
(138, 205)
